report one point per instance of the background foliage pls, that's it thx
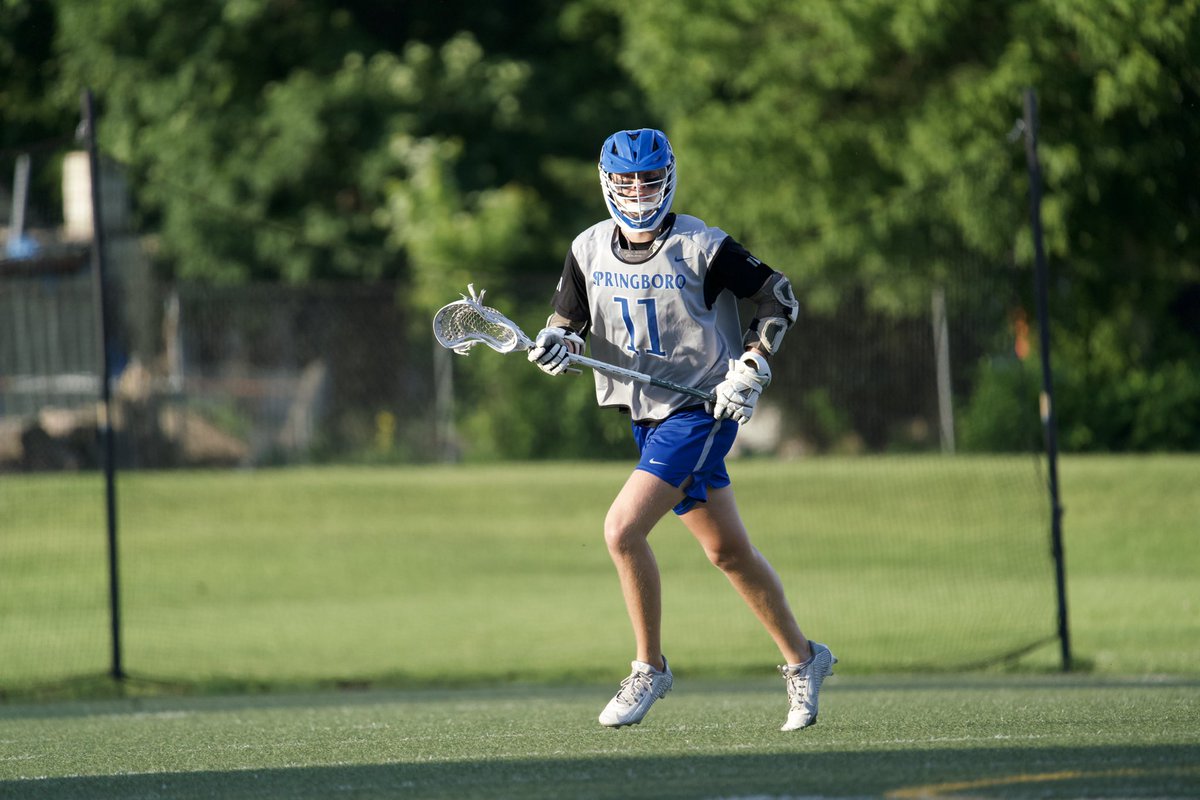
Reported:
(852, 145)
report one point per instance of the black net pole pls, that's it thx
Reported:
(104, 418)
(1049, 426)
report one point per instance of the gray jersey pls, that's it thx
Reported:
(653, 316)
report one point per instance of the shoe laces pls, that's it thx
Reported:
(635, 687)
(797, 685)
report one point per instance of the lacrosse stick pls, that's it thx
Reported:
(461, 325)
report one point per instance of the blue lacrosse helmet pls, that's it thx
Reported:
(637, 175)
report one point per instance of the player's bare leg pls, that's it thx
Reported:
(719, 529)
(641, 503)
(638, 507)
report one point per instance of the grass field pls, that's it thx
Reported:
(949, 736)
(415, 576)
(481, 631)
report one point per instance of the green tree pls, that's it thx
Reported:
(268, 139)
(274, 140)
(28, 72)
(864, 143)
(265, 140)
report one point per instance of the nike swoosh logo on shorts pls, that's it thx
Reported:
(658, 463)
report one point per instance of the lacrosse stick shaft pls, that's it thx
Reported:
(613, 369)
(467, 322)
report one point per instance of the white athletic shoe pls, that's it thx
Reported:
(803, 686)
(637, 693)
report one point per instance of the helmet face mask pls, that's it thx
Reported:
(637, 176)
(637, 195)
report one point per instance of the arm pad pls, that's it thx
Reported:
(777, 311)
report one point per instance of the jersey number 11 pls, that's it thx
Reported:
(650, 307)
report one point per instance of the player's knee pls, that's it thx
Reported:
(619, 537)
(730, 556)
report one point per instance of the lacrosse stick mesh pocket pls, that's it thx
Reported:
(460, 326)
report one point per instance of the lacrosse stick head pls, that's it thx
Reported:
(461, 325)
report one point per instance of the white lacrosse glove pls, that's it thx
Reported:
(552, 350)
(744, 382)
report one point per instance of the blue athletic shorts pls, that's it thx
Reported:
(687, 444)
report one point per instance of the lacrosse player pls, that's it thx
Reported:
(658, 291)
